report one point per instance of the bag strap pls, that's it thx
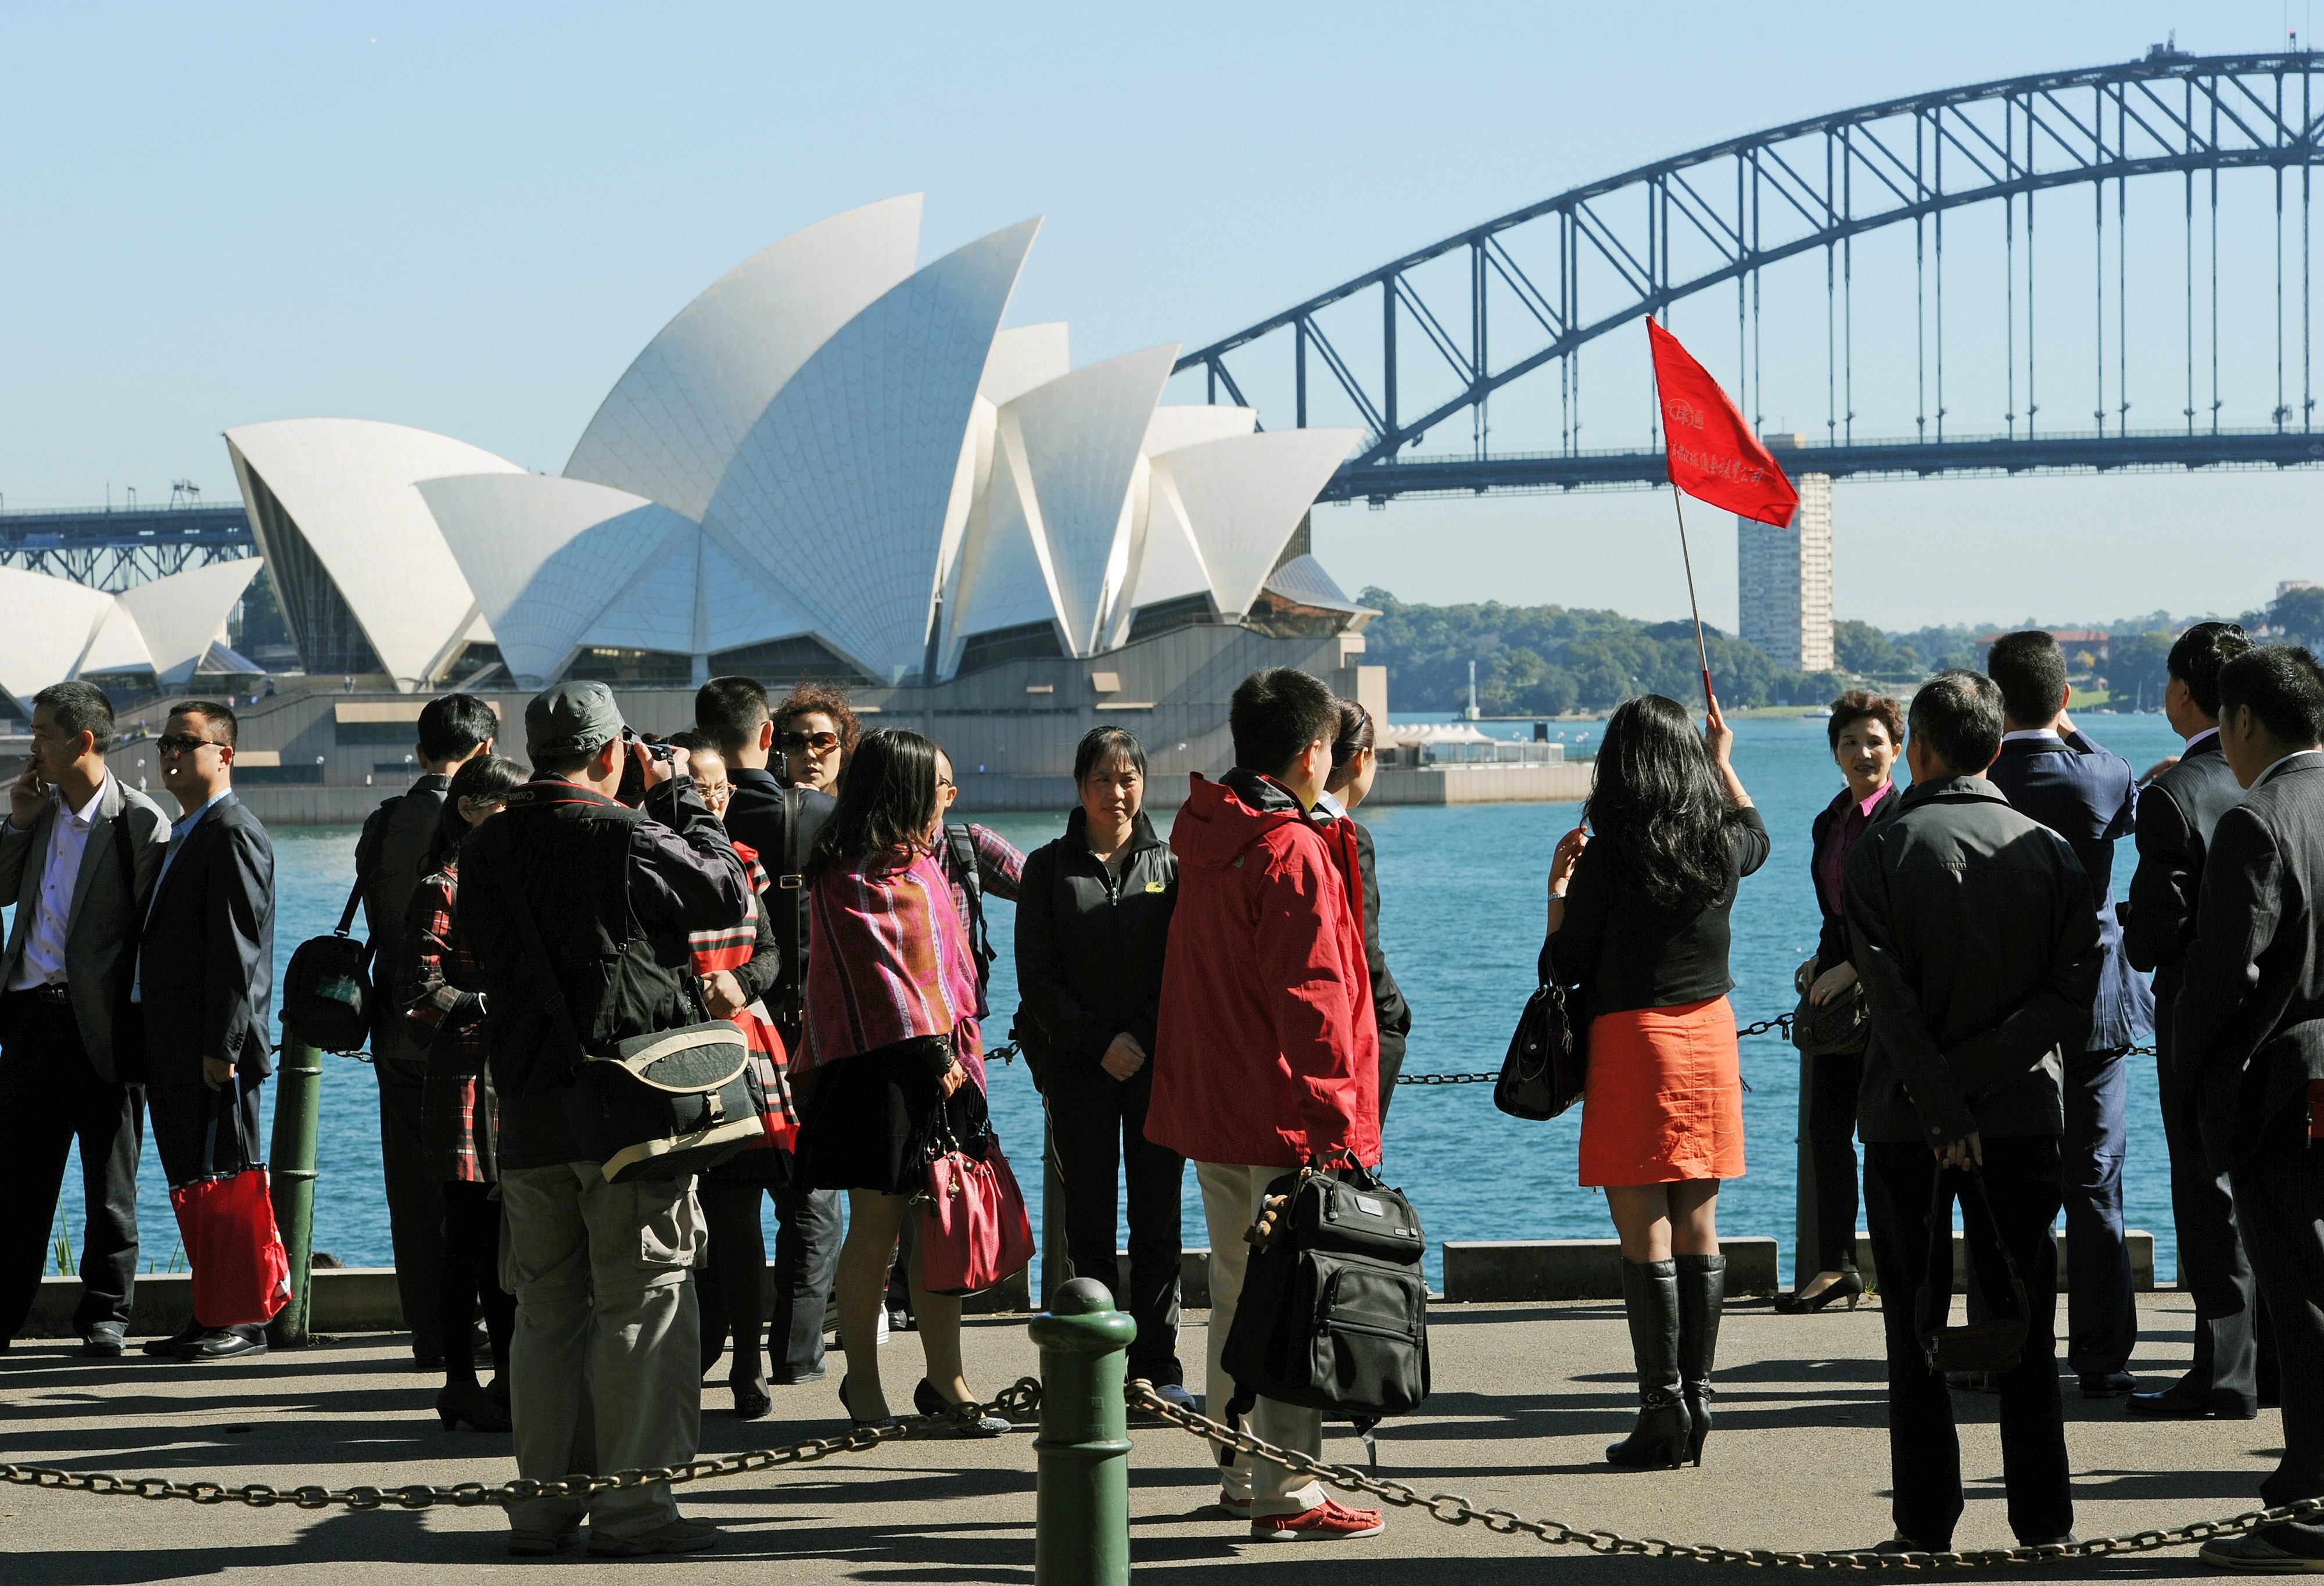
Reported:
(790, 889)
(962, 843)
(229, 1101)
(1940, 1247)
(537, 965)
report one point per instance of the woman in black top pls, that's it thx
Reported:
(1638, 925)
(1093, 922)
(1867, 732)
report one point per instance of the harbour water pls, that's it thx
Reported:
(1463, 922)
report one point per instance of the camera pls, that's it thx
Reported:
(632, 790)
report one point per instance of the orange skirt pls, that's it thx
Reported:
(1664, 1101)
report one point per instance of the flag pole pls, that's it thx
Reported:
(1702, 651)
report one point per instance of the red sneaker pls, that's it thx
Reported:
(1233, 1507)
(1328, 1521)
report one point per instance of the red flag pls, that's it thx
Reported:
(1710, 452)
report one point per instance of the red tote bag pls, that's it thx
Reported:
(973, 1231)
(241, 1274)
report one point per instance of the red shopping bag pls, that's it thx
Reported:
(973, 1231)
(241, 1273)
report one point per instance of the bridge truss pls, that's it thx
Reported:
(112, 548)
(1437, 334)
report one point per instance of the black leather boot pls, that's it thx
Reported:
(1701, 1297)
(1664, 1430)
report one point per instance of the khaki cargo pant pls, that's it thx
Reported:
(1232, 1196)
(606, 1364)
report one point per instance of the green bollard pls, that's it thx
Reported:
(298, 1110)
(1081, 1532)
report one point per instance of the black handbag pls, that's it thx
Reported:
(327, 991)
(1548, 1060)
(1334, 1315)
(1981, 1346)
(672, 1103)
(1838, 1027)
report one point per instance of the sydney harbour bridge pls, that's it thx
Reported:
(2130, 245)
(2087, 211)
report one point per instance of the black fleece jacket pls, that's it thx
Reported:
(1090, 946)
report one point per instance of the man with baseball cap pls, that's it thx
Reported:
(605, 1366)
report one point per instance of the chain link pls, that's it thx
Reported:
(1453, 1509)
(1019, 1402)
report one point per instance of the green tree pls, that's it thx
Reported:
(2136, 672)
(2298, 616)
(1864, 650)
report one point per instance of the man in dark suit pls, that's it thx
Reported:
(2089, 797)
(2176, 815)
(1971, 929)
(78, 856)
(205, 975)
(2249, 1022)
(780, 824)
(452, 731)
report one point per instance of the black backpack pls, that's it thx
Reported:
(963, 847)
(1334, 1308)
(327, 992)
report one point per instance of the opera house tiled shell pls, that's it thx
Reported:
(155, 635)
(831, 463)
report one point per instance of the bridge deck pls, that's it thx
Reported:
(1526, 1398)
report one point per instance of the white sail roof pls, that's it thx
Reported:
(350, 486)
(1243, 496)
(180, 616)
(1082, 433)
(670, 425)
(547, 556)
(839, 493)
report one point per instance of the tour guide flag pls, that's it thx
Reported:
(1712, 454)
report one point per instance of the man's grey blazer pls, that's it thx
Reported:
(101, 921)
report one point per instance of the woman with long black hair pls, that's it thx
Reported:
(1355, 762)
(439, 987)
(891, 1017)
(1638, 926)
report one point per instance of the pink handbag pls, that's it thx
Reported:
(973, 1230)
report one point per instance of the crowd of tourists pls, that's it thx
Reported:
(783, 875)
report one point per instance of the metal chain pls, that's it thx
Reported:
(1455, 1510)
(1021, 1401)
(1780, 1024)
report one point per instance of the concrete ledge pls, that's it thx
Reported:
(2142, 1260)
(1548, 783)
(348, 1299)
(1577, 1269)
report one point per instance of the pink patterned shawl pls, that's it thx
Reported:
(887, 961)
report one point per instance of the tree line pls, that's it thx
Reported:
(1552, 660)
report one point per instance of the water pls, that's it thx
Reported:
(1463, 922)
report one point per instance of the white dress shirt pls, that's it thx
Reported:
(44, 944)
(2278, 765)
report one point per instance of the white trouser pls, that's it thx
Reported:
(1232, 1197)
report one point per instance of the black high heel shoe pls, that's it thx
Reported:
(854, 1419)
(928, 1402)
(1851, 1288)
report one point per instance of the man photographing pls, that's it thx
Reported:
(605, 1364)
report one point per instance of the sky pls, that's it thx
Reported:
(470, 218)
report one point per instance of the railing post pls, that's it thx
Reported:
(298, 1110)
(1081, 1533)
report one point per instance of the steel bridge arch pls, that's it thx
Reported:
(2004, 139)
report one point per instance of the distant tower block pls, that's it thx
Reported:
(1785, 580)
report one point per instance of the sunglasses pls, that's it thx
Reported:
(819, 743)
(184, 743)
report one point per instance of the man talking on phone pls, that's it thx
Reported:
(78, 856)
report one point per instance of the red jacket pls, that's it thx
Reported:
(1271, 1053)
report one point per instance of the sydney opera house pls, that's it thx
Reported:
(835, 463)
(831, 463)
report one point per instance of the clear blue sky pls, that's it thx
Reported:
(470, 217)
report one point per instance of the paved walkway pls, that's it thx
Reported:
(1526, 1398)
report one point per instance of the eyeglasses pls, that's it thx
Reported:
(185, 743)
(819, 743)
